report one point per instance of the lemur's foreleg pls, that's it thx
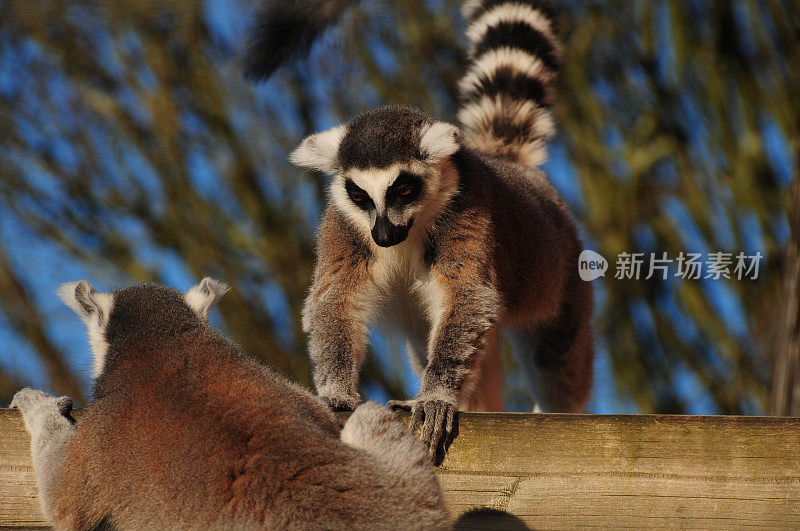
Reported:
(457, 341)
(335, 316)
(336, 346)
(51, 427)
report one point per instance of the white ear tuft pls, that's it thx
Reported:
(204, 296)
(84, 300)
(320, 150)
(437, 141)
(94, 308)
(66, 292)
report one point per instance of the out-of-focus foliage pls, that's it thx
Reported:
(671, 113)
(785, 392)
(132, 149)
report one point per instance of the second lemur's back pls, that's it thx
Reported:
(508, 89)
(187, 432)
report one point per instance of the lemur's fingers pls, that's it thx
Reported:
(450, 425)
(400, 405)
(417, 416)
(437, 419)
(437, 439)
(443, 431)
(426, 436)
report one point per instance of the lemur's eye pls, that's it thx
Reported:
(405, 189)
(357, 195)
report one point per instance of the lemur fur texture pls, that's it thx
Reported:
(450, 234)
(186, 432)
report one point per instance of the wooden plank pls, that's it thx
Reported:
(566, 471)
(19, 506)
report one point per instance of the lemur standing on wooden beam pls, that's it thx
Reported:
(448, 232)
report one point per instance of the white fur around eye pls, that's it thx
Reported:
(360, 219)
(320, 150)
(375, 182)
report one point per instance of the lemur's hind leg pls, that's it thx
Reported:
(51, 427)
(557, 359)
(377, 430)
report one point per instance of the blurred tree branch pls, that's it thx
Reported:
(26, 321)
(785, 398)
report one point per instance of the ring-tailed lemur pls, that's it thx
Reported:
(451, 235)
(186, 432)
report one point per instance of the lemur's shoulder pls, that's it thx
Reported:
(339, 240)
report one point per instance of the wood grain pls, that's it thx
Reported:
(567, 471)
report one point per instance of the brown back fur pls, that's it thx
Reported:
(187, 432)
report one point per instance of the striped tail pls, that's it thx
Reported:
(508, 90)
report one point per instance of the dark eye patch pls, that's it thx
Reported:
(404, 190)
(359, 197)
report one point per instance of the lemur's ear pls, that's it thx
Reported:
(319, 151)
(204, 296)
(86, 301)
(437, 141)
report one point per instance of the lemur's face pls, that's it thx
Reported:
(382, 201)
(387, 169)
(146, 308)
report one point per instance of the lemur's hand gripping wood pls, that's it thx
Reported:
(435, 420)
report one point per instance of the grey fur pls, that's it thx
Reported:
(51, 428)
(186, 432)
(375, 429)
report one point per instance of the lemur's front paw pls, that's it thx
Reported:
(374, 427)
(341, 403)
(437, 420)
(338, 395)
(37, 406)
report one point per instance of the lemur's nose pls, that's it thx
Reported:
(385, 233)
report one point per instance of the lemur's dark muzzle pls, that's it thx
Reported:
(385, 233)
